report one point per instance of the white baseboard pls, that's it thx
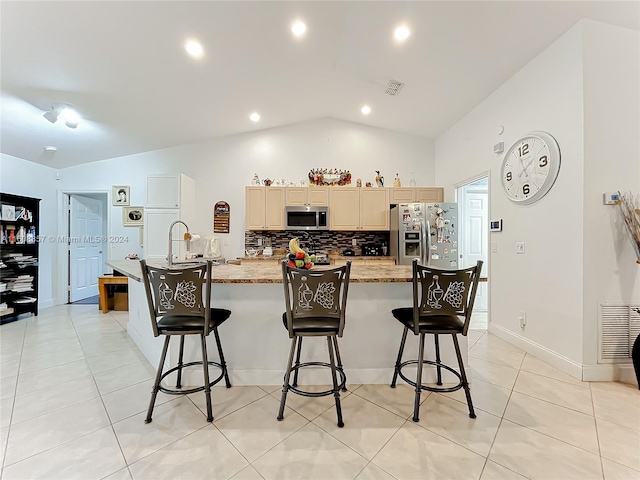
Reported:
(543, 353)
(611, 372)
(45, 303)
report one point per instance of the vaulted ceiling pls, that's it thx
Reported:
(122, 65)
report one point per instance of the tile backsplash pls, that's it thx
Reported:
(324, 240)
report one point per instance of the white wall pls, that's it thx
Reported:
(612, 163)
(583, 90)
(29, 179)
(546, 282)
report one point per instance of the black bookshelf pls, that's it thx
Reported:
(19, 238)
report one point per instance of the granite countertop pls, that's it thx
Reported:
(334, 257)
(273, 274)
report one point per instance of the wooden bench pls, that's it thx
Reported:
(103, 288)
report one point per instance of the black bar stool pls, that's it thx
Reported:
(177, 307)
(441, 306)
(316, 301)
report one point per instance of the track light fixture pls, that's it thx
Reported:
(68, 114)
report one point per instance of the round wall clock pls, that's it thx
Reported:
(530, 168)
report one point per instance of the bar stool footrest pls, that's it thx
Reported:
(182, 391)
(339, 371)
(426, 387)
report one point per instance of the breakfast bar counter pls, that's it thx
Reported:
(256, 343)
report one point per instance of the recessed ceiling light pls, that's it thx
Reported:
(70, 117)
(255, 117)
(298, 28)
(401, 33)
(194, 48)
(366, 110)
(50, 148)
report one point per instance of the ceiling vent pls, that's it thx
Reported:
(394, 87)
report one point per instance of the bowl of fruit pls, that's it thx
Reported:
(298, 258)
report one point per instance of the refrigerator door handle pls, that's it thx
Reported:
(427, 241)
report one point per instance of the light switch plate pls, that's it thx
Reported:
(520, 248)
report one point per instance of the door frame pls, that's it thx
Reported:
(61, 257)
(485, 174)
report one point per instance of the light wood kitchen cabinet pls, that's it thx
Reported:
(264, 208)
(339, 262)
(344, 212)
(429, 194)
(300, 196)
(401, 195)
(355, 208)
(418, 194)
(374, 209)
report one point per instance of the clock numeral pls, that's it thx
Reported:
(523, 150)
(543, 161)
(525, 189)
(509, 176)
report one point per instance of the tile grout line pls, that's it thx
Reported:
(13, 402)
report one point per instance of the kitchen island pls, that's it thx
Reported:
(255, 342)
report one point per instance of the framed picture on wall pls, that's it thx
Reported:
(120, 195)
(133, 216)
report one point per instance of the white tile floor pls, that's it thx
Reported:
(74, 390)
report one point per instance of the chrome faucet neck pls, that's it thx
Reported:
(171, 240)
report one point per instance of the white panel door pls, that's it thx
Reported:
(475, 234)
(85, 247)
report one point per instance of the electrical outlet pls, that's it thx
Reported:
(523, 319)
(354, 242)
(494, 247)
(226, 242)
(520, 248)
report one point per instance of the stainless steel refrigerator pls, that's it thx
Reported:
(426, 231)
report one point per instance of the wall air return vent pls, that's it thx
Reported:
(618, 327)
(394, 87)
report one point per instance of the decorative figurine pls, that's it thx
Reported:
(359, 182)
(396, 181)
(255, 180)
(379, 179)
(368, 184)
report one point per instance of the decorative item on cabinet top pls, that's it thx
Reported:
(329, 177)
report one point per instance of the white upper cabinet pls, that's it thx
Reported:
(169, 191)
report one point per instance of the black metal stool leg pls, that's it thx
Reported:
(335, 346)
(437, 340)
(416, 404)
(295, 373)
(180, 356)
(287, 376)
(399, 359)
(222, 361)
(156, 383)
(336, 390)
(205, 369)
(465, 384)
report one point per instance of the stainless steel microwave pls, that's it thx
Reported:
(307, 218)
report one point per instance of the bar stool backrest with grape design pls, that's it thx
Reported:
(442, 305)
(444, 292)
(316, 302)
(178, 307)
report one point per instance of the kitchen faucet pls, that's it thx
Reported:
(187, 238)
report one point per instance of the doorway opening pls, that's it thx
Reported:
(473, 207)
(86, 245)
